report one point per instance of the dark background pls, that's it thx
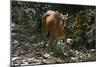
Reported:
(28, 39)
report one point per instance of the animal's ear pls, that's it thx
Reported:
(57, 11)
(61, 16)
(64, 17)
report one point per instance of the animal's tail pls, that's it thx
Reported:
(44, 17)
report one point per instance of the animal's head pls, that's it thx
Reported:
(64, 20)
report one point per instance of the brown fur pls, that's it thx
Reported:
(53, 22)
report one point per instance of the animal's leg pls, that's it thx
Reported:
(66, 46)
(51, 41)
(55, 46)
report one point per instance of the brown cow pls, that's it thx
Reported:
(53, 23)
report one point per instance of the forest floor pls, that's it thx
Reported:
(27, 49)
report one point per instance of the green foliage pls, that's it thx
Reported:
(29, 44)
(27, 19)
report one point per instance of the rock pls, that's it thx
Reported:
(73, 58)
(76, 53)
(15, 58)
(51, 53)
(44, 61)
(59, 60)
(46, 45)
(15, 41)
(25, 62)
(81, 57)
(46, 55)
(92, 50)
(13, 34)
(30, 60)
(13, 24)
